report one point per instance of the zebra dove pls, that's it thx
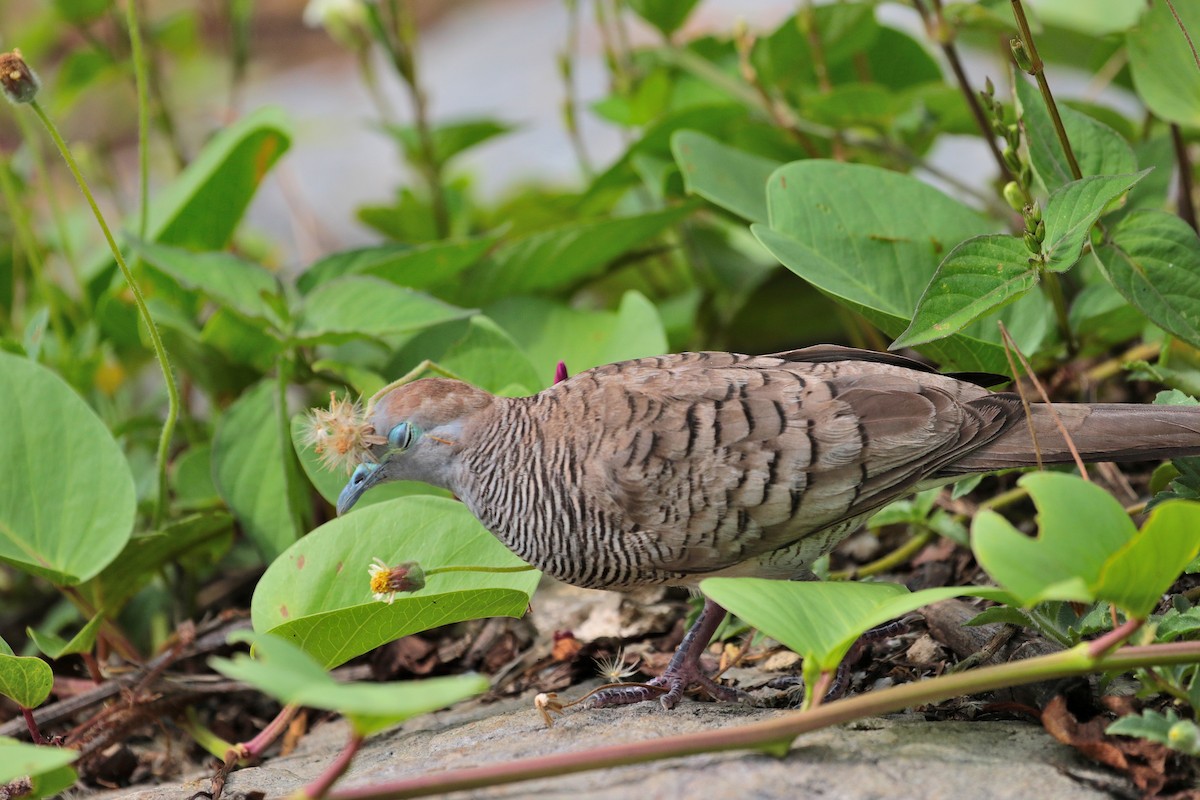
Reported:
(673, 469)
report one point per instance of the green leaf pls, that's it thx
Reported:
(66, 481)
(1094, 18)
(730, 178)
(362, 307)
(1098, 148)
(222, 277)
(25, 680)
(54, 646)
(666, 15)
(191, 478)
(448, 139)
(18, 759)
(557, 258)
(977, 277)
(287, 673)
(252, 475)
(550, 332)
(1163, 64)
(144, 555)
(822, 620)
(1153, 260)
(1165, 728)
(872, 240)
(1073, 209)
(477, 350)
(317, 594)
(1144, 569)
(419, 267)
(1087, 549)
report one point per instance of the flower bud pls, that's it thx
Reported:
(1031, 243)
(19, 82)
(1021, 55)
(1014, 196)
(1039, 232)
(1184, 736)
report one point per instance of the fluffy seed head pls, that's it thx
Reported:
(340, 435)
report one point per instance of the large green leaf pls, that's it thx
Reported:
(67, 499)
(287, 673)
(201, 208)
(1154, 261)
(977, 277)
(561, 257)
(732, 179)
(821, 620)
(1098, 149)
(18, 759)
(416, 267)
(477, 350)
(255, 473)
(1087, 548)
(224, 278)
(318, 596)
(1094, 18)
(551, 332)
(872, 239)
(1071, 212)
(1163, 63)
(358, 307)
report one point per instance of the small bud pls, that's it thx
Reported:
(1014, 196)
(989, 88)
(1031, 243)
(1021, 55)
(1034, 212)
(1039, 232)
(1025, 175)
(1011, 160)
(560, 372)
(19, 82)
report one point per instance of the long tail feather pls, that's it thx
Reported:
(1100, 432)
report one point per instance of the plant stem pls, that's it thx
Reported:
(772, 733)
(287, 453)
(337, 768)
(898, 556)
(137, 54)
(160, 353)
(940, 32)
(1037, 70)
(1187, 209)
(1062, 316)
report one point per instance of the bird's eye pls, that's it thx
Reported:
(401, 436)
(361, 472)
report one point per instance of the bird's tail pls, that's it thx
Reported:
(1100, 432)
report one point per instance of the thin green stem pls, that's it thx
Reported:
(439, 570)
(143, 95)
(893, 559)
(1037, 70)
(1059, 301)
(776, 734)
(160, 353)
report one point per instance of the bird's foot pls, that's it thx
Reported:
(667, 688)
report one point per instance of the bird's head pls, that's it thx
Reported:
(424, 425)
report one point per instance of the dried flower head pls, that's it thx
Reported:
(547, 703)
(387, 581)
(19, 82)
(340, 435)
(615, 670)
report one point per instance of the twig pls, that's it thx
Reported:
(1187, 209)
(939, 31)
(1186, 35)
(1036, 69)
(1041, 390)
(777, 734)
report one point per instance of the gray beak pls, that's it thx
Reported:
(365, 476)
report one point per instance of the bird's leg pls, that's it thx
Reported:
(683, 671)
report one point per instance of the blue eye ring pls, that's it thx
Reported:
(401, 436)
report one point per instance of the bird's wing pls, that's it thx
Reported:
(723, 458)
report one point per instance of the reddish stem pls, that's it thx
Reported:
(322, 783)
(34, 733)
